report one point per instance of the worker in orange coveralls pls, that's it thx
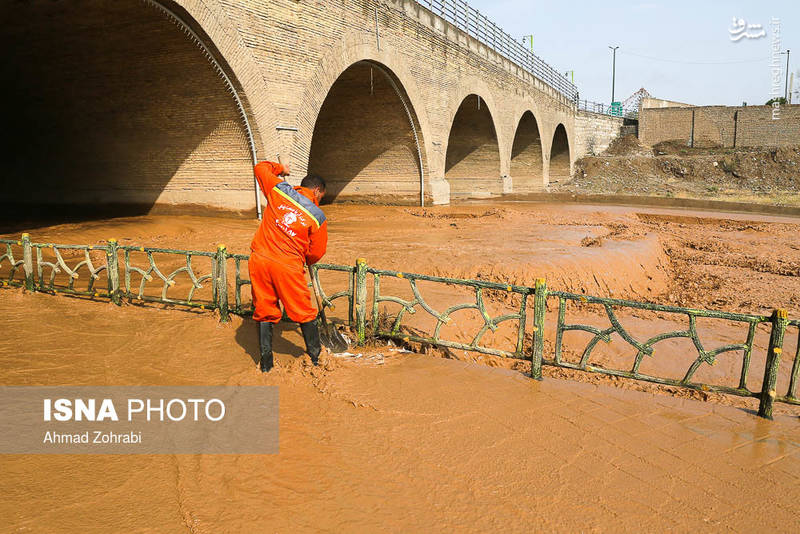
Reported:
(292, 233)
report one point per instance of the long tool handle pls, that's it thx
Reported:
(315, 285)
(320, 307)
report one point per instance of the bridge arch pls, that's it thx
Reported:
(560, 155)
(365, 100)
(118, 105)
(366, 141)
(472, 154)
(527, 154)
(220, 35)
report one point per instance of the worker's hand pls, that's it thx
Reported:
(286, 169)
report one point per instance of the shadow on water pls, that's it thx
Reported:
(247, 338)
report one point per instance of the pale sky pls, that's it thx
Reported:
(690, 56)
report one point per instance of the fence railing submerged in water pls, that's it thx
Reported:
(110, 258)
(128, 270)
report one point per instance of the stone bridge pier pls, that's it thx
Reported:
(145, 102)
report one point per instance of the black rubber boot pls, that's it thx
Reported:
(311, 336)
(265, 337)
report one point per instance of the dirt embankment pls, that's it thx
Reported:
(757, 175)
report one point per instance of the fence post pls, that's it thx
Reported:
(361, 300)
(112, 269)
(768, 388)
(221, 283)
(539, 308)
(27, 262)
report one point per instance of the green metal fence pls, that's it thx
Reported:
(443, 318)
(772, 366)
(150, 272)
(202, 279)
(646, 348)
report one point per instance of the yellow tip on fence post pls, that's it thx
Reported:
(361, 300)
(769, 386)
(539, 309)
(221, 283)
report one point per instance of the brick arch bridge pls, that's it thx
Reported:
(143, 102)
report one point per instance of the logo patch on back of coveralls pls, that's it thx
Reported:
(289, 218)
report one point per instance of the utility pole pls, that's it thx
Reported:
(530, 39)
(786, 85)
(613, 71)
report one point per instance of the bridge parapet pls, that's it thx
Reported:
(491, 38)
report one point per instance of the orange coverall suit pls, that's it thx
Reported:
(293, 232)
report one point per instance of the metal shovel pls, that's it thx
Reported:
(328, 335)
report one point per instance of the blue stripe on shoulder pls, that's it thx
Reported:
(307, 204)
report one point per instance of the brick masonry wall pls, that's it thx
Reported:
(665, 124)
(756, 126)
(113, 104)
(526, 156)
(473, 158)
(363, 143)
(594, 132)
(559, 157)
(170, 133)
(717, 125)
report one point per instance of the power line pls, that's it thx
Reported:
(682, 62)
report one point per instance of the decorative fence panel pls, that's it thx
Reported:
(349, 293)
(16, 264)
(238, 307)
(137, 277)
(646, 348)
(442, 318)
(198, 279)
(59, 256)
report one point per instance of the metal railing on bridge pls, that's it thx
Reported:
(476, 25)
(606, 109)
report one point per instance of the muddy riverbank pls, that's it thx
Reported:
(413, 441)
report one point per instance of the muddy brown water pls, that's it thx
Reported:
(421, 442)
